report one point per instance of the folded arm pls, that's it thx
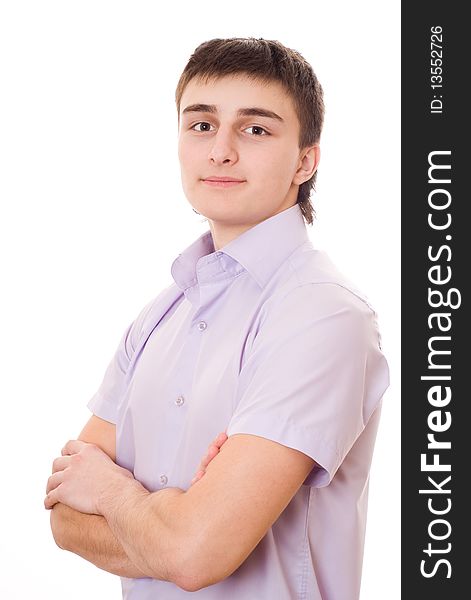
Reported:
(194, 538)
(90, 536)
(199, 537)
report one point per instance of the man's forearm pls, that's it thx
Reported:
(90, 537)
(155, 530)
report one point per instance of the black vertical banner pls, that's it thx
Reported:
(436, 266)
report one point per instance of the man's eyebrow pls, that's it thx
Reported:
(252, 111)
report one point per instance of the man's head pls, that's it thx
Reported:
(275, 155)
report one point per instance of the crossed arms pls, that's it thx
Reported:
(193, 538)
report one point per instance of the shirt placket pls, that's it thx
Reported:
(212, 282)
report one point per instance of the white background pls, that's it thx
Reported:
(92, 215)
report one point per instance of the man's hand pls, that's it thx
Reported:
(213, 451)
(82, 476)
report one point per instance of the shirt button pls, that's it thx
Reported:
(163, 479)
(180, 400)
(202, 325)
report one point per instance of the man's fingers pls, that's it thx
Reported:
(60, 463)
(221, 438)
(54, 480)
(51, 499)
(213, 451)
(72, 447)
(197, 477)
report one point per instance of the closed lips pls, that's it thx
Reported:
(223, 179)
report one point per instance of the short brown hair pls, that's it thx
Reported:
(265, 61)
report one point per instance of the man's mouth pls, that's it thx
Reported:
(222, 181)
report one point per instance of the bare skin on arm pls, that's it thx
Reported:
(90, 536)
(176, 535)
(213, 451)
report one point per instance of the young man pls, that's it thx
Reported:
(259, 336)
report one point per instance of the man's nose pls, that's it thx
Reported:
(223, 148)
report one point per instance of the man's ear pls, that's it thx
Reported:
(308, 162)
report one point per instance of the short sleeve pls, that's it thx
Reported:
(313, 376)
(105, 402)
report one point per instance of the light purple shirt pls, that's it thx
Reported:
(264, 336)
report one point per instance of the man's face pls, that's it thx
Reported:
(224, 133)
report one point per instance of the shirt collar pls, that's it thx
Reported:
(260, 250)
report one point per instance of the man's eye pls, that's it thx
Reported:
(257, 129)
(204, 126)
